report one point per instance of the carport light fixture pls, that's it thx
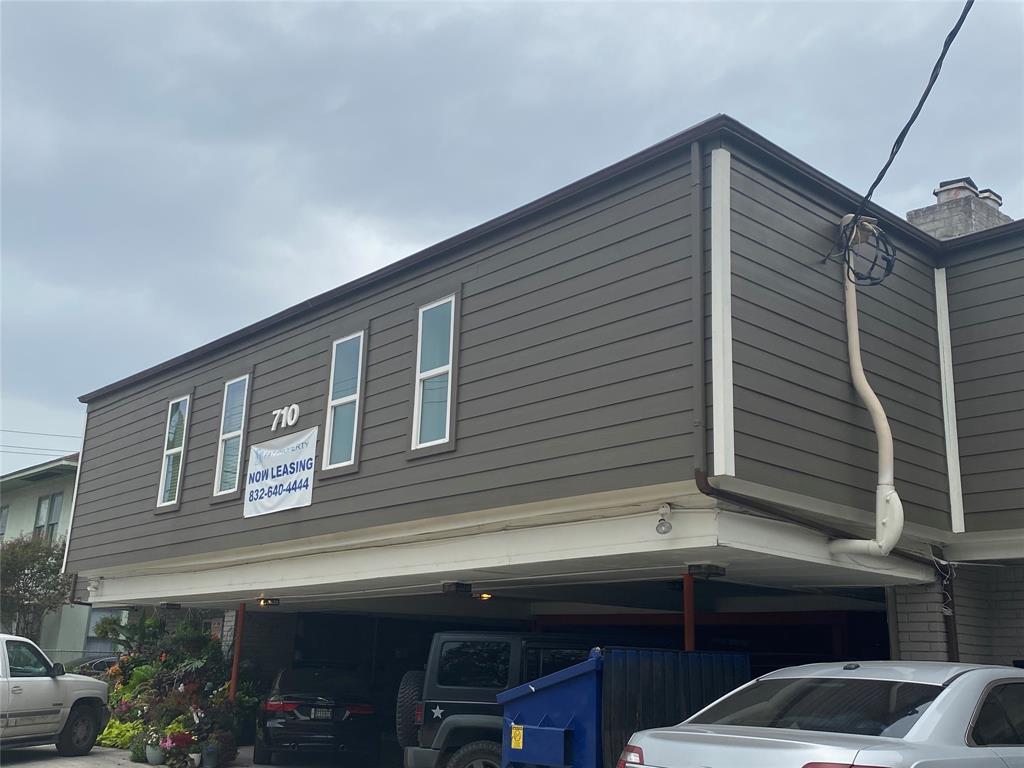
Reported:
(266, 602)
(170, 606)
(484, 596)
(664, 526)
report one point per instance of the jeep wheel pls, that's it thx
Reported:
(80, 732)
(477, 754)
(410, 691)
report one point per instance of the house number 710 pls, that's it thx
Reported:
(285, 417)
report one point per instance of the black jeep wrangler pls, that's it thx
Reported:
(447, 717)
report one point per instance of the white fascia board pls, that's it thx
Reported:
(617, 549)
(987, 545)
(419, 562)
(794, 542)
(956, 496)
(721, 314)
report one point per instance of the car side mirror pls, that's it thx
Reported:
(57, 670)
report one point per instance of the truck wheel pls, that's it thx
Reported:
(260, 754)
(477, 754)
(80, 732)
(410, 691)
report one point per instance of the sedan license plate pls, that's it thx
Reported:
(321, 713)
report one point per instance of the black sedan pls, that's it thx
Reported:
(318, 710)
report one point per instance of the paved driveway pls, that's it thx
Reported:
(33, 757)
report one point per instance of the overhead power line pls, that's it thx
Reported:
(847, 233)
(51, 455)
(41, 448)
(41, 434)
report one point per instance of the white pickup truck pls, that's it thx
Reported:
(41, 704)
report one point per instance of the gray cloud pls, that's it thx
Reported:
(165, 164)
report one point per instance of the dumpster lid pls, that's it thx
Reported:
(576, 670)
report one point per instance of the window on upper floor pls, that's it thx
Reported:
(232, 435)
(174, 451)
(48, 510)
(432, 406)
(345, 387)
(4, 510)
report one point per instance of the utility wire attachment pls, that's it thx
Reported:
(848, 228)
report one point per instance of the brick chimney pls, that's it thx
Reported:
(960, 210)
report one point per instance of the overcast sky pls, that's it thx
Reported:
(174, 171)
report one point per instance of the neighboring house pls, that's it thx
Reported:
(36, 501)
(575, 409)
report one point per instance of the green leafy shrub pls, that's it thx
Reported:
(140, 676)
(163, 713)
(119, 735)
(138, 747)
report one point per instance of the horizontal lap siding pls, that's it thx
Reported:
(574, 377)
(799, 424)
(986, 318)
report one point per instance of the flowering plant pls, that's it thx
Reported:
(177, 740)
(153, 737)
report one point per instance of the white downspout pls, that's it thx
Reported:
(888, 507)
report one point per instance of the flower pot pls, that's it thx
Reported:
(154, 755)
(209, 756)
(195, 758)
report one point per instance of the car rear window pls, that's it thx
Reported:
(474, 664)
(857, 706)
(320, 681)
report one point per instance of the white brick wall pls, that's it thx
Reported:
(920, 630)
(989, 613)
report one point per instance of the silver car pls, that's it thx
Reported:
(883, 714)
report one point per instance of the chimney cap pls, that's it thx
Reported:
(954, 189)
(991, 197)
(956, 182)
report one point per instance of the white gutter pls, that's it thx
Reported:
(888, 507)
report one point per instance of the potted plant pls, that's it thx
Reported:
(176, 744)
(154, 752)
(210, 753)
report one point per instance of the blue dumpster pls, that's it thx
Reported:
(555, 721)
(581, 716)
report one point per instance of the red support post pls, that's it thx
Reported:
(689, 615)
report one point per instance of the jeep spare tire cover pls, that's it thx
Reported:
(410, 691)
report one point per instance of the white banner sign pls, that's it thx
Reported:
(280, 474)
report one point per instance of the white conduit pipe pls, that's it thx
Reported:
(888, 507)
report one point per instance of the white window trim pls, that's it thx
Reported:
(417, 405)
(168, 451)
(225, 436)
(353, 398)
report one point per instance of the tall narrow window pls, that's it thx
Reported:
(232, 425)
(433, 373)
(48, 510)
(174, 451)
(343, 401)
(3, 519)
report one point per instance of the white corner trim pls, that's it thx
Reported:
(956, 496)
(721, 315)
(74, 494)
